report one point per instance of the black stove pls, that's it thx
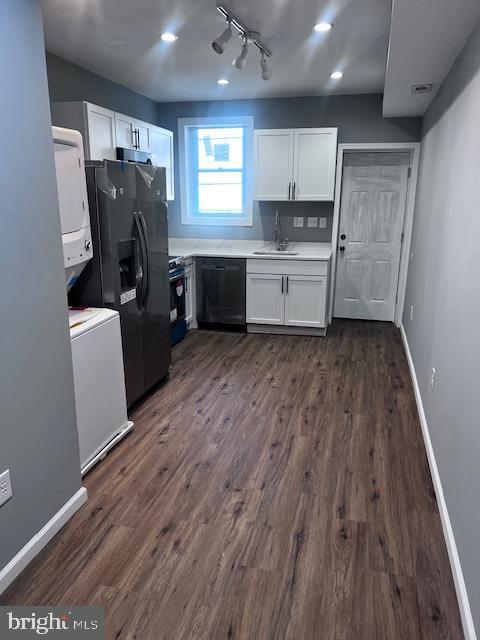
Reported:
(175, 263)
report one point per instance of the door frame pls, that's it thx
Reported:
(379, 147)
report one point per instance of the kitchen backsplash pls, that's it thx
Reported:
(263, 222)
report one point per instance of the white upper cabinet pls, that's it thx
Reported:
(295, 164)
(314, 164)
(125, 131)
(144, 136)
(162, 155)
(101, 133)
(104, 130)
(132, 133)
(274, 164)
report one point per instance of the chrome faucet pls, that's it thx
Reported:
(279, 243)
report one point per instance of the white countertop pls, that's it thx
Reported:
(197, 247)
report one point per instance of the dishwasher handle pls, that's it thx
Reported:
(220, 267)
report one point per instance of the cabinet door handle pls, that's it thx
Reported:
(287, 284)
(289, 190)
(282, 284)
(294, 189)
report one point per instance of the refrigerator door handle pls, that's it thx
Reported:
(143, 258)
(147, 258)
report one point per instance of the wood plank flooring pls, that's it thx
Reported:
(275, 488)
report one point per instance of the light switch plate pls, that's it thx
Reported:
(298, 221)
(322, 223)
(312, 222)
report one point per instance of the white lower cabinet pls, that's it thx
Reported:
(305, 301)
(190, 294)
(265, 299)
(279, 293)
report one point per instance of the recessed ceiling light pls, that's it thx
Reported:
(168, 37)
(223, 81)
(323, 27)
(336, 75)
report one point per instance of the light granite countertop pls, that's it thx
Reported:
(198, 247)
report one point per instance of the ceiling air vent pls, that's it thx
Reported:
(422, 88)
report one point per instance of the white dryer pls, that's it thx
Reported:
(73, 202)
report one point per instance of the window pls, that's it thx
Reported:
(216, 156)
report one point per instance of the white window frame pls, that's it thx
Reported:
(228, 221)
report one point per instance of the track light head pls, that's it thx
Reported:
(266, 71)
(241, 60)
(219, 44)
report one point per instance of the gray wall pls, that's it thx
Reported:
(358, 117)
(38, 434)
(68, 81)
(444, 289)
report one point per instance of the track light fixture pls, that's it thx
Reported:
(219, 44)
(241, 60)
(249, 38)
(266, 71)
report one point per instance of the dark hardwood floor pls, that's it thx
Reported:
(275, 488)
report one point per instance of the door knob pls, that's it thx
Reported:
(343, 236)
(342, 249)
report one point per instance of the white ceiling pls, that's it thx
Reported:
(120, 40)
(426, 37)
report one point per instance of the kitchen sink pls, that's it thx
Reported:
(274, 253)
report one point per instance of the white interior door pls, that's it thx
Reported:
(314, 164)
(265, 298)
(274, 164)
(372, 211)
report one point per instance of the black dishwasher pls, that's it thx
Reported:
(221, 291)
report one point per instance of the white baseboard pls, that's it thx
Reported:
(461, 591)
(41, 539)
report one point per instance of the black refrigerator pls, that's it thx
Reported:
(129, 269)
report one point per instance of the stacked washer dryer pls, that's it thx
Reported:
(98, 372)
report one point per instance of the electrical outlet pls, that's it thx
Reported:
(411, 312)
(432, 378)
(5, 487)
(322, 223)
(312, 222)
(298, 221)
